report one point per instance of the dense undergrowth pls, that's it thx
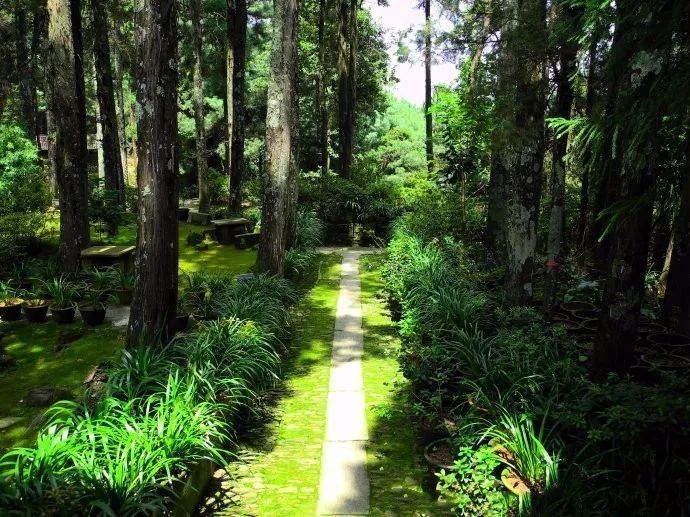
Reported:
(515, 397)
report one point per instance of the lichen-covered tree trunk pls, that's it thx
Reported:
(639, 29)
(521, 143)
(567, 18)
(24, 67)
(195, 11)
(321, 90)
(112, 160)
(120, 104)
(427, 87)
(235, 69)
(347, 45)
(155, 291)
(66, 100)
(677, 296)
(624, 287)
(280, 138)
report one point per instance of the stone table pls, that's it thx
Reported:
(106, 256)
(226, 229)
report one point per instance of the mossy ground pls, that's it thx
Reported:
(397, 470)
(278, 474)
(281, 469)
(31, 345)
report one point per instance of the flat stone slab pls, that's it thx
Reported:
(200, 218)
(344, 480)
(111, 252)
(46, 396)
(346, 419)
(9, 421)
(240, 221)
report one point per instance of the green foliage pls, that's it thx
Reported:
(309, 230)
(20, 233)
(163, 409)
(23, 184)
(471, 485)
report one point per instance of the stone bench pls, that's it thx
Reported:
(106, 256)
(227, 229)
(246, 240)
(200, 218)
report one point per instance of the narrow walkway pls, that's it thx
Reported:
(344, 487)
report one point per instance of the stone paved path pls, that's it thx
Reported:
(344, 487)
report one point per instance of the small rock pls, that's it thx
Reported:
(47, 395)
(66, 338)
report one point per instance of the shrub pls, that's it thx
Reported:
(471, 485)
(23, 184)
(163, 409)
(20, 233)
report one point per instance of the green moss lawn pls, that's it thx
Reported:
(397, 470)
(31, 345)
(280, 462)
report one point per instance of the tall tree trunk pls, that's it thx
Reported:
(120, 104)
(634, 177)
(583, 229)
(347, 44)
(112, 159)
(236, 66)
(280, 138)
(66, 99)
(27, 87)
(321, 91)
(427, 87)
(568, 17)
(522, 147)
(198, 100)
(155, 290)
(677, 296)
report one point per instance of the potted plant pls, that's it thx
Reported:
(35, 306)
(10, 303)
(124, 285)
(93, 307)
(100, 280)
(63, 295)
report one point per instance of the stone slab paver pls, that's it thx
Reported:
(346, 484)
(344, 487)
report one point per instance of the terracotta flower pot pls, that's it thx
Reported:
(570, 307)
(181, 322)
(63, 315)
(36, 313)
(92, 316)
(587, 314)
(666, 361)
(124, 296)
(11, 310)
(645, 328)
(677, 343)
(439, 454)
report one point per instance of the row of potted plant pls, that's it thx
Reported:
(64, 294)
